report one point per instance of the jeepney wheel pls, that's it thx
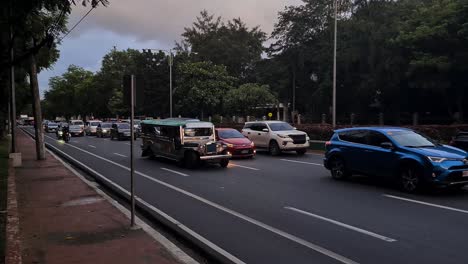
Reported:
(224, 163)
(191, 160)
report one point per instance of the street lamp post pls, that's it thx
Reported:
(334, 70)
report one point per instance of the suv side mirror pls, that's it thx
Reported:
(386, 145)
(265, 130)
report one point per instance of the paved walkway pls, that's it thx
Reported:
(63, 220)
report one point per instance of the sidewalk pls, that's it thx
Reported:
(63, 220)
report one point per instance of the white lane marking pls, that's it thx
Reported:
(428, 204)
(302, 162)
(281, 233)
(119, 155)
(91, 146)
(245, 167)
(176, 172)
(357, 229)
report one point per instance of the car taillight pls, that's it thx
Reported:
(328, 143)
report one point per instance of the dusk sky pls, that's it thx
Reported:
(154, 24)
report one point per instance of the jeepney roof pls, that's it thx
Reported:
(176, 122)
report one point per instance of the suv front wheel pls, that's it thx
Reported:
(410, 180)
(274, 148)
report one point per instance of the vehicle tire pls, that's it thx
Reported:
(224, 163)
(274, 148)
(410, 179)
(301, 152)
(191, 160)
(338, 169)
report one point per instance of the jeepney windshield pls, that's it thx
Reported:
(198, 132)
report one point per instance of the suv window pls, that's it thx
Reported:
(375, 138)
(249, 126)
(355, 136)
(258, 127)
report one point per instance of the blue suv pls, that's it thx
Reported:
(410, 158)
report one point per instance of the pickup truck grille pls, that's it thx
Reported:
(298, 139)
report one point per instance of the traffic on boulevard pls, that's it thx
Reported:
(301, 201)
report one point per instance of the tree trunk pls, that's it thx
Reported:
(39, 131)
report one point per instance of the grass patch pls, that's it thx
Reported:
(4, 153)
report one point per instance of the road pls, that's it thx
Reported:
(287, 209)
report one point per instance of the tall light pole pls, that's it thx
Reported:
(334, 70)
(170, 82)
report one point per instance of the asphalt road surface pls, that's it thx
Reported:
(287, 209)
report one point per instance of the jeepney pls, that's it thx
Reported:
(187, 141)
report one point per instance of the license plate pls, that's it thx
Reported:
(465, 174)
(247, 151)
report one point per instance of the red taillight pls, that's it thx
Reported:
(328, 143)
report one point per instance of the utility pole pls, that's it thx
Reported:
(170, 82)
(12, 85)
(334, 70)
(39, 131)
(132, 162)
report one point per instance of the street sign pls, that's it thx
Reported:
(270, 115)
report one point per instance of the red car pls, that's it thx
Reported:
(238, 145)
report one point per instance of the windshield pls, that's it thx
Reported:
(230, 134)
(198, 132)
(106, 125)
(52, 124)
(94, 123)
(78, 123)
(411, 139)
(280, 126)
(123, 126)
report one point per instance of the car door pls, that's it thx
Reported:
(381, 161)
(261, 136)
(354, 150)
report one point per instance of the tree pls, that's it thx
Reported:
(71, 94)
(232, 44)
(202, 87)
(436, 36)
(250, 99)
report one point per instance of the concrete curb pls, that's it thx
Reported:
(154, 212)
(13, 242)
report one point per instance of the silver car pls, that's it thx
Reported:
(91, 127)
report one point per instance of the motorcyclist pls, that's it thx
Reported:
(62, 130)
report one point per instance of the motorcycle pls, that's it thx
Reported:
(64, 134)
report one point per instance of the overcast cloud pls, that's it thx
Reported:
(149, 24)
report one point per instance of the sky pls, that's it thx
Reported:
(155, 24)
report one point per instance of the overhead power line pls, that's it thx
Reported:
(77, 23)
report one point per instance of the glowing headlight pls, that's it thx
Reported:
(60, 133)
(104, 131)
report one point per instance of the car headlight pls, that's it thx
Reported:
(104, 131)
(283, 136)
(230, 145)
(440, 159)
(60, 133)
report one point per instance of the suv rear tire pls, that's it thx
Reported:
(338, 169)
(274, 148)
